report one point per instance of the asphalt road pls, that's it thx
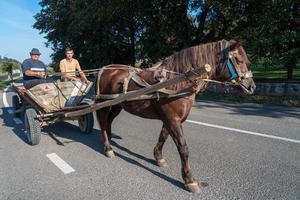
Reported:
(237, 151)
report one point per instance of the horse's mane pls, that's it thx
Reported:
(197, 56)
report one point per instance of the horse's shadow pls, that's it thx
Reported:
(64, 133)
(93, 140)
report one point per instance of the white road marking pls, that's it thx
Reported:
(60, 163)
(5, 103)
(18, 121)
(244, 131)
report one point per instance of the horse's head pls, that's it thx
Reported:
(234, 67)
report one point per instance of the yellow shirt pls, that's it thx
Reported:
(69, 67)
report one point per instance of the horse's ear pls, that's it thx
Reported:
(236, 45)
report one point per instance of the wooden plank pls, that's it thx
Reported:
(200, 72)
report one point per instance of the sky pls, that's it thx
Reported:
(17, 35)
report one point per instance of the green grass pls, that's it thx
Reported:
(4, 84)
(259, 99)
(275, 74)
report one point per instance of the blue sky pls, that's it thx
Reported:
(17, 36)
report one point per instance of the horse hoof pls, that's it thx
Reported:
(162, 162)
(193, 187)
(110, 153)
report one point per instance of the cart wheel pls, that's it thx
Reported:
(16, 105)
(86, 123)
(32, 127)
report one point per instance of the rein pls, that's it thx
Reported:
(95, 71)
(230, 64)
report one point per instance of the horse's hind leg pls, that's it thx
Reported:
(175, 130)
(161, 161)
(102, 117)
(114, 112)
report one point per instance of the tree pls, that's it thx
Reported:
(124, 31)
(270, 28)
(7, 66)
(104, 32)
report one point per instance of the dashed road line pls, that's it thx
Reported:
(60, 163)
(244, 131)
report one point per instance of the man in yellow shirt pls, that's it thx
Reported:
(69, 66)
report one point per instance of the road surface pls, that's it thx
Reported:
(237, 151)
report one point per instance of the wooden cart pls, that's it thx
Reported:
(46, 103)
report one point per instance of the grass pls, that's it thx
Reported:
(275, 74)
(4, 84)
(259, 99)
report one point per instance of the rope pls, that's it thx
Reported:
(219, 82)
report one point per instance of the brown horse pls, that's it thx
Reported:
(228, 62)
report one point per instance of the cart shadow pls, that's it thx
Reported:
(66, 135)
(8, 121)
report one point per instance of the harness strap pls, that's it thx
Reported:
(143, 83)
(231, 70)
(140, 81)
(98, 80)
(131, 72)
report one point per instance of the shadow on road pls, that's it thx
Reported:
(252, 109)
(93, 140)
(18, 129)
(64, 133)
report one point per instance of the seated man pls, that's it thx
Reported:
(69, 65)
(34, 71)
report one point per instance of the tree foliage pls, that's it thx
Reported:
(125, 31)
(7, 65)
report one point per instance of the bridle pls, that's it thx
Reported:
(236, 75)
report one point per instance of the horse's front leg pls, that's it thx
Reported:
(102, 116)
(161, 161)
(175, 130)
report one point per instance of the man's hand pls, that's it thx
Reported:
(75, 79)
(41, 74)
(35, 73)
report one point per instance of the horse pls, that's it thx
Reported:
(228, 61)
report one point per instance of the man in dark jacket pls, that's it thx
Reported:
(34, 70)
